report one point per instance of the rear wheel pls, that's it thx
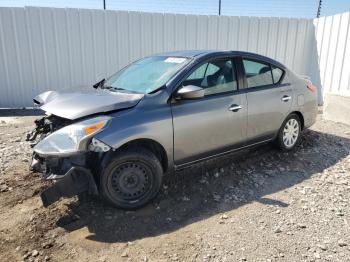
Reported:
(131, 179)
(289, 134)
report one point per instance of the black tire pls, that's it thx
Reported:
(131, 179)
(281, 143)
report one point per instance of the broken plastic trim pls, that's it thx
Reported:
(98, 146)
(76, 181)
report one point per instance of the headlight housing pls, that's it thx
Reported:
(73, 138)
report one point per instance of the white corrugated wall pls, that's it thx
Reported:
(333, 44)
(50, 48)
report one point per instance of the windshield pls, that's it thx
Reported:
(146, 75)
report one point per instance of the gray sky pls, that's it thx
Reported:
(282, 8)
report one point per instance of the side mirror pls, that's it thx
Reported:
(189, 92)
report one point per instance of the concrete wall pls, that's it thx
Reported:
(337, 108)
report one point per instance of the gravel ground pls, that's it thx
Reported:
(258, 205)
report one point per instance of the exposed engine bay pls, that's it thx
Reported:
(71, 175)
(45, 126)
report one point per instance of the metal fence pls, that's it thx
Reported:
(51, 49)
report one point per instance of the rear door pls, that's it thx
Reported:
(269, 99)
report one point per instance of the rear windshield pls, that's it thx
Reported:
(146, 75)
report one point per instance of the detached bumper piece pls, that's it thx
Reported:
(77, 180)
(70, 177)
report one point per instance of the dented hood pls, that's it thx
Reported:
(83, 101)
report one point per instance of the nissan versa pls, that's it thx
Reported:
(163, 113)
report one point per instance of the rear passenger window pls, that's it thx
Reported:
(257, 73)
(276, 73)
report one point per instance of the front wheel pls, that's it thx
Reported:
(289, 134)
(131, 179)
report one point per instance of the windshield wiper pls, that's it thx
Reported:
(99, 84)
(113, 87)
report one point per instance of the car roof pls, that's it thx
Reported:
(195, 54)
(187, 53)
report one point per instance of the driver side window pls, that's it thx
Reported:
(215, 77)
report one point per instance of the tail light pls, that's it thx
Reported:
(312, 88)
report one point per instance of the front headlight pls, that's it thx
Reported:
(72, 138)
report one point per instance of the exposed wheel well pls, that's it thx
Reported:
(301, 117)
(153, 146)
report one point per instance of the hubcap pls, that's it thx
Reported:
(130, 180)
(290, 133)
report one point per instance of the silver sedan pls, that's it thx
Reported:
(161, 114)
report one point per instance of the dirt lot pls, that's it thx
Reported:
(259, 205)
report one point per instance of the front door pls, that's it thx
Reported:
(212, 124)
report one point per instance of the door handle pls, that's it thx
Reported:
(235, 108)
(286, 98)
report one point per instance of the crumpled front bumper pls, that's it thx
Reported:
(70, 177)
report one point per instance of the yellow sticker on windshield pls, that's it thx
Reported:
(177, 60)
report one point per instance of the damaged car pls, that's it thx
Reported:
(161, 114)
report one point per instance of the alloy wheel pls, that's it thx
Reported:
(291, 133)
